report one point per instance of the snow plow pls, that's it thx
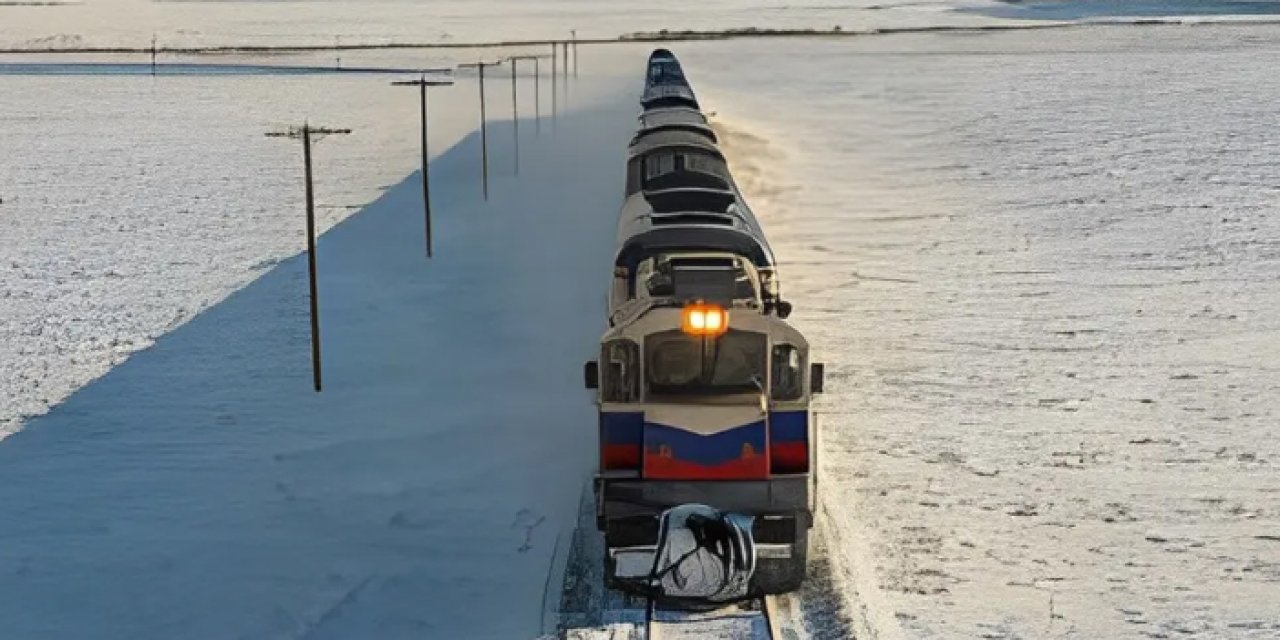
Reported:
(703, 388)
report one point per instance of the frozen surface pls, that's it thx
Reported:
(1044, 273)
(203, 490)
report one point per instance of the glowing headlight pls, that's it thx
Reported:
(705, 320)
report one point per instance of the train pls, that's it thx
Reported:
(703, 388)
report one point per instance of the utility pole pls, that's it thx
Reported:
(153, 55)
(422, 83)
(537, 96)
(565, 62)
(515, 116)
(574, 34)
(553, 84)
(305, 132)
(484, 132)
(537, 91)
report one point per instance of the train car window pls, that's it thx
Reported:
(633, 176)
(659, 164)
(704, 163)
(788, 371)
(621, 371)
(677, 363)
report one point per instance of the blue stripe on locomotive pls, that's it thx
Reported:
(708, 450)
(789, 426)
(622, 427)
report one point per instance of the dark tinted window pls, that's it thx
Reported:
(677, 363)
(620, 371)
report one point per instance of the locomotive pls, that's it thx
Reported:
(703, 388)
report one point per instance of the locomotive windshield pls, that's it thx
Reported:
(680, 364)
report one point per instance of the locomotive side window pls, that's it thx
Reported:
(633, 175)
(621, 371)
(787, 373)
(659, 164)
(704, 163)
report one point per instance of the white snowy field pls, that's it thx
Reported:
(131, 23)
(1041, 265)
(207, 23)
(1044, 271)
(203, 490)
(131, 203)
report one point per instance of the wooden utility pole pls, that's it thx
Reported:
(537, 95)
(515, 118)
(422, 83)
(553, 84)
(484, 132)
(305, 132)
(537, 92)
(566, 65)
(574, 34)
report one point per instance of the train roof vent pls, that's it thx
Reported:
(713, 283)
(691, 217)
(690, 199)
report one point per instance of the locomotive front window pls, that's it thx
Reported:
(677, 363)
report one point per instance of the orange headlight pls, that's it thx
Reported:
(701, 319)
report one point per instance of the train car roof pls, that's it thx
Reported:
(661, 54)
(701, 219)
(684, 214)
(665, 83)
(668, 95)
(691, 237)
(647, 142)
(675, 119)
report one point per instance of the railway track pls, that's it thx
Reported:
(766, 618)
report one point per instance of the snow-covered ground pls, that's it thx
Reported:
(131, 23)
(1041, 266)
(137, 203)
(203, 490)
(1045, 273)
(205, 23)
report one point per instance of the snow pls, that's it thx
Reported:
(141, 202)
(201, 489)
(1043, 271)
(132, 23)
(1041, 265)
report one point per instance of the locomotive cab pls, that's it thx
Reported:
(708, 403)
